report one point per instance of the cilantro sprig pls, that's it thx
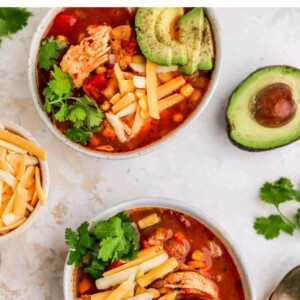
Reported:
(108, 241)
(12, 19)
(50, 50)
(82, 112)
(276, 194)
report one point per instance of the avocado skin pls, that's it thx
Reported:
(228, 122)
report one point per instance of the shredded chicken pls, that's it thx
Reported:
(195, 282)
(215, 249)
(82, 59)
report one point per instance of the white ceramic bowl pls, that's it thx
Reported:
(39, 33)
(45, 181)
(69, 283)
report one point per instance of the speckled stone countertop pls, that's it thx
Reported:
(201, 167)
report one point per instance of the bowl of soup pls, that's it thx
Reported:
(116, 83)
(153, 248)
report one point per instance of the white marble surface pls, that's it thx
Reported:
(201, 167)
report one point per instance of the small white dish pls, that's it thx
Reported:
(10, 126)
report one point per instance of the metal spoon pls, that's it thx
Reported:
(289, 287)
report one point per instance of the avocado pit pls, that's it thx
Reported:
(274, 105)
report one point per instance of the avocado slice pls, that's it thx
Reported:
(244, 130)
(165, 21)
(207, 49)
(191, 27)
(153, 49)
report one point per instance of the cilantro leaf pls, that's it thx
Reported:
(76, 114)
(109, 228)
(60, 115)
(74, 258)
(96, 268)
(108, 247)
(278, 192)
(61, 85)
(12, 19)
(270, 227)
(124, 216)
(85, 240)
(298, 217)
(94, 115)
(83, 112)
(108, 241)
(78, 135)
(50, 50)
(71, 238)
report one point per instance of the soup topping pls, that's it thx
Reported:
(151, 253)
(119, 79)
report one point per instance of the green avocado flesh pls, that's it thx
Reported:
(207, 49)
(244, 130)
(162, 31)
(193, 49)
(154, 50)
(191, 27)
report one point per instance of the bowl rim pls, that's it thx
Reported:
(11, 126)
(181, 207)
(31, 74)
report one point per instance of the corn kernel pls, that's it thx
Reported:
(106, 106)
(100, 70)
(197, 255)
(177, 117)
(62, 38)
(138, 59)
(187, 90)
(195, 95)
(196, 264)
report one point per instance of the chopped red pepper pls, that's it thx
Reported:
(114, 265)
(93, 87)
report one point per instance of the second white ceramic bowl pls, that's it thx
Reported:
(38, 35)
(69, 278)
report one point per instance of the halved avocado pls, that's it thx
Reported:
(263, 111)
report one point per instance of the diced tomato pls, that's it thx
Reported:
(94, 141)
(110, 73)
(64, 23)
(130, 46)
(84, 285)
(114, 265)
(93, 87)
